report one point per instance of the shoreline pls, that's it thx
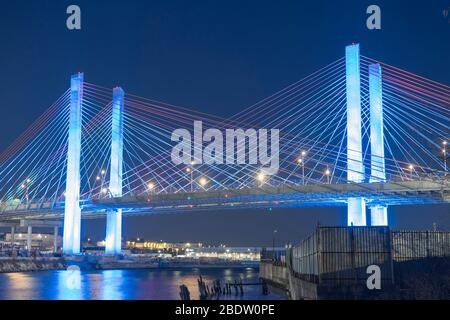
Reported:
(35, 264)
(87, 263)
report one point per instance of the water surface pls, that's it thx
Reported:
(151, 284)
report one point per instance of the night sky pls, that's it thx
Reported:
(212, 56)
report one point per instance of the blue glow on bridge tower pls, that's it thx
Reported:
(114, 217)
(355, 170)
(378, 213)
(72, 210)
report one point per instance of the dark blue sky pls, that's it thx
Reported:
(213, 56)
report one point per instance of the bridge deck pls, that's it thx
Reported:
(318, 195)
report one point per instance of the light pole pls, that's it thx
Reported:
(101, 178)
(301, 161)
(327, 174)
(189, 171)
(273, 244)
(444, 151)
(151, 187)
(411, 169)
(25, 187)
(98, 179)
(261, 176)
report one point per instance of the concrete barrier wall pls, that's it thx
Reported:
(280, 276)
(276, 274)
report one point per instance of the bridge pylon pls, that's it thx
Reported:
(72, 210)
(113, 238)
(378, 213)
(356, 212)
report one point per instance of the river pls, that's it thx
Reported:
(142, 284)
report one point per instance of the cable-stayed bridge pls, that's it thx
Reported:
(358, 133)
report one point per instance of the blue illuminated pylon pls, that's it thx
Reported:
(114, 217)
(356, 214)
(378, 213)
(72, 211)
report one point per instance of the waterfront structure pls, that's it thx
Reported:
(40, 241)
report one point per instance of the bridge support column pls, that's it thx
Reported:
(13, 234)
(29, 237)
(378, 216)
(114, 217)
(356, 214)
(72, 210)
(55, 239)
(378, 213)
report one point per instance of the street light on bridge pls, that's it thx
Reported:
(328, 174)
(190, 170)
(203, 182)
(301, 162)
(25, 187)
(411, 169)
(444, 152)
(151, 187)
(261, 177)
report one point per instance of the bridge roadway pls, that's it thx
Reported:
(285, 195)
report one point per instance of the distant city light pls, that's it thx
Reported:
(98, 178)
(105, 190)
(151, 186)
(103, 172)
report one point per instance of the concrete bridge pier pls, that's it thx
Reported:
(13, 234)
(55, 239)
(29, 224)
(13, 226)
(29, 237)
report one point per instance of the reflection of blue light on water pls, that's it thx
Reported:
(69, 285)
(121, 284)
(112, 281)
